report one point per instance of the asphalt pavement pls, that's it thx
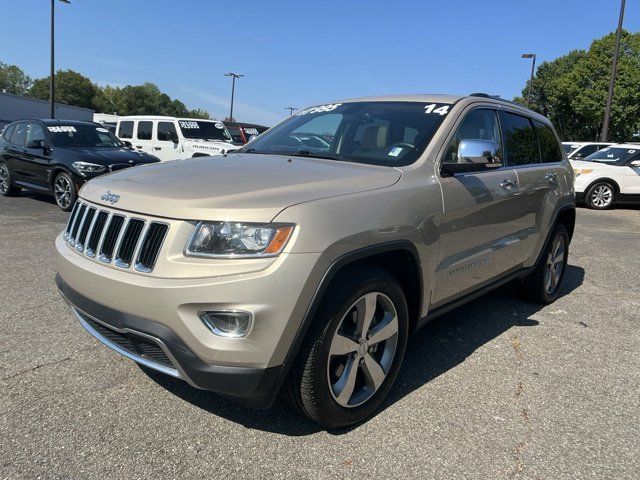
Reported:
(496, 389)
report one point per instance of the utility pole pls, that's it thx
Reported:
(52, 87)
(291, 109)
(614, 66)
(233, 89)
(533, 69)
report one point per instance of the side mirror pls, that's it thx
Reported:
(36, 144)
(474, 155)
(634, 164)
(127, 143)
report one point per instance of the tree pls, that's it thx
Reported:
(14, 80)
(571, 90)
(72, 88)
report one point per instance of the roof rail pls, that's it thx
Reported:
(497, 97)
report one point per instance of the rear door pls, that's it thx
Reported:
(481, 220)
(143, 136)
(630, 178)
(15, 152)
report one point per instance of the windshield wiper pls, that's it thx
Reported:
(309, 153)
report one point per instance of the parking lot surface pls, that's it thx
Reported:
(499, 388)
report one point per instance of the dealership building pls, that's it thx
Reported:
(16, 107)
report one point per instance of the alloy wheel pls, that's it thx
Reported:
(554, 265)
(362, 349)
(602, 196)
(62, 190)
(4, 179)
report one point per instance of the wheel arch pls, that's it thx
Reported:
(615, 184)
(400, 258)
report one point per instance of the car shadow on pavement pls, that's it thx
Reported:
(438, 347)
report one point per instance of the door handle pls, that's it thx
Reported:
(157, 148)
(138, 146)
(507, 184)
(551, 176)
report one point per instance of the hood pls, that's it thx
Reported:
(243, 187)
(108, 156)
(593, 165)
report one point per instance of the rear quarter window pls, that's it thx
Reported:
(549, 148)
(125, 130)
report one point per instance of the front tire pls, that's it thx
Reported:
(7, 188)
(64, 191)
(600, 196)
(353, 351)
(543, 285)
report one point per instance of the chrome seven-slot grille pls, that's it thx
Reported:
(114, 237)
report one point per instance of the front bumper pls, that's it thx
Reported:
(158, 347)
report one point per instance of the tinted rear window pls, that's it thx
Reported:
(125, 130)
(520, 141)
(19, 134)
(549, 148)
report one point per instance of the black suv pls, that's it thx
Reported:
(58, 156)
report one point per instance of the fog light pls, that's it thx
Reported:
(227, 323)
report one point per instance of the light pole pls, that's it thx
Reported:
(291, 109)
(614, 67)
(233, 90)
(533, 68)
(52, 87)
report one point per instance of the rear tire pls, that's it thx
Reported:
(353, 350)
(543, 284)
(600, 196)
(7, 188)
(64, 191)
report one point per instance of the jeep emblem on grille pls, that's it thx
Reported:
(110, 197)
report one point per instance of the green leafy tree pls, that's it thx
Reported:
(14, 80)
(571, 90)
(72, 88)
(198, 113)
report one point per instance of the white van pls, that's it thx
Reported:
(170, 138)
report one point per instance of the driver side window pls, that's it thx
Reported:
(480, 124)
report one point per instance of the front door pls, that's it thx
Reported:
(167, 146)
(480, 227)
(37, 164)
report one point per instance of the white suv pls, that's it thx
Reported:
(608, 176)
(170, 138)
(580, 150)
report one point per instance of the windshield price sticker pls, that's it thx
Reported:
(320, 109)
(251, 131)
(433, 108)
(62, 129)
(102, 130)
(219, 126)
(189, 125)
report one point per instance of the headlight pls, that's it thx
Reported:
(581, 171)
(85, 167)
(230, 239)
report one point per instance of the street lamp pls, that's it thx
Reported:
(233, 90)
(52, 87)
(614, 67)
(533, 68)
(291, 109)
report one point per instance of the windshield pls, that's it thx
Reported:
(568, 149)
(202, 130)
(378, 133)
(614, 155)
(81, 135)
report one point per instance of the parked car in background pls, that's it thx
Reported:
(304, 269)
(170, 138)
(243, 132)
(58, 156)
(609, 176)
(578, 150)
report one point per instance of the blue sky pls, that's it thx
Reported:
(302, 53)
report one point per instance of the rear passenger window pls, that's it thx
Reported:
(7, 132)
(520, 141)
(19, 134)
(125, 130)
(166, 131)
(549, 149)
(144, 130)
